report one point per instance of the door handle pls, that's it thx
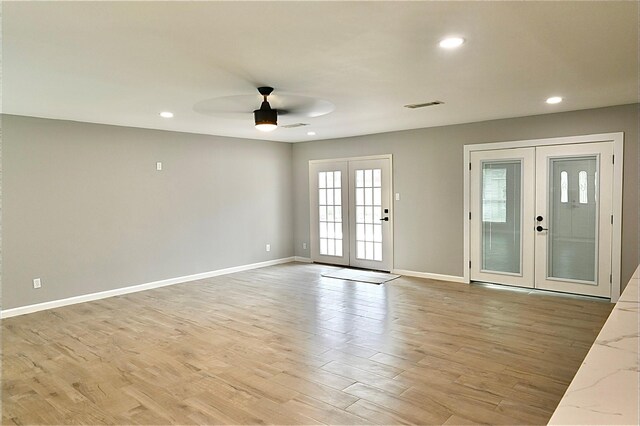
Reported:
(539, 218)
(540, 228)
(386, 219)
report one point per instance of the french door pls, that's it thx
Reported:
(350, 205)
(541, 217)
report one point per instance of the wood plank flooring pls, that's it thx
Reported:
(283, 345)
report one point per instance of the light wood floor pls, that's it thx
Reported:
(284, 345)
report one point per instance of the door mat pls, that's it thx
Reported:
(360, 275)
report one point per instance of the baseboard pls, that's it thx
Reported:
(430, 276)
(302, 259)
(22, 310)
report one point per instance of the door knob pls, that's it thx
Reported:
(540, 228)
(386, 219)
(539, 218)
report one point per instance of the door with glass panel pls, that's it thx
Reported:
(328, 183)
(501, 228)
(350, 204)
(573, 218)
(541, 217)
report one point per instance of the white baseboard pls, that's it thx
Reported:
(22, 310)
(302, 259)
(430, 276)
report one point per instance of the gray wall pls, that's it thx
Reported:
(428, 173)
(85, 210)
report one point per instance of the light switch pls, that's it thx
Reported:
(397, 196)
(158, 165)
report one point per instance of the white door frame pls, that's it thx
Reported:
(618, 153)
(390, 183)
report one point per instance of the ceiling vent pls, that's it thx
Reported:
(426, 104)
(294, 125)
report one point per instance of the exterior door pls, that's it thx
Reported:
(501, 228)
(351, 218)
(541, 217)
(574, 207)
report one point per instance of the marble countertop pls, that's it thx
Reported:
(605, 388)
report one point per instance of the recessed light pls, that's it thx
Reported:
(166, 114)
(311, 133)
(554, 100)
(451, 42)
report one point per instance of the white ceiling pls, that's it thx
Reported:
(124, 62)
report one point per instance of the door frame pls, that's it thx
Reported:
(390, 183)
(618, 154)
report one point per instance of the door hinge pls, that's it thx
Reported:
(610, 278)
(612, 219)
(469, 166)
(469, 264)
(613, 159)
(469, 215)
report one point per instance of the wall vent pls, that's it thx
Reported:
(294, 125)
(426, 104)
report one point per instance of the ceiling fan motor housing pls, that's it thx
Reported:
(265, 115)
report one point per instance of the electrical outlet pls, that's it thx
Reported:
(37, 283)
(397, 196)
(304, 246)
(268, 248)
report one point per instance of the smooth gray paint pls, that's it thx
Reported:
(428, 173)
(86, 211)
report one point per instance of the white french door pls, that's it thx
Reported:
(350, 206)
(541, 217)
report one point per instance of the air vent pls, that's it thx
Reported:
(294, 125)
(426, 104)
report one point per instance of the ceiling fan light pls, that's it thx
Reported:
(266, 127)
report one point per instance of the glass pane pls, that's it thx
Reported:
(322, 180)
(339, 233)
(564, 187)
(377, 251)
(331, 246)
(368, 177)
(368, 215)
(329, 196)
(337, 197)
(360, 214)
(323, 229)
(368, 232)
(337, 214)
(359, 196)
(501, 216)
(377, 196)
(330, 230)
(337, 179)
(360, 251)
(377, 233)
(329, 180)
(322, 196)
(330, 217)
(359, 178)
(377, 178)
(369, 250)
(360, 232)
(338, 248)
(323, 213)
(572, 238)
(323, 246)
(368, 196)
(377, 214)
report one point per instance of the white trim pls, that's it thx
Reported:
(22, 310)
(368, 157)
(302, 259)
(618, 148)
(430, 276)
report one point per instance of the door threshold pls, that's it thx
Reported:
(539, 292)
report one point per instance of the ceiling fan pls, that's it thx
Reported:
(298, 109)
